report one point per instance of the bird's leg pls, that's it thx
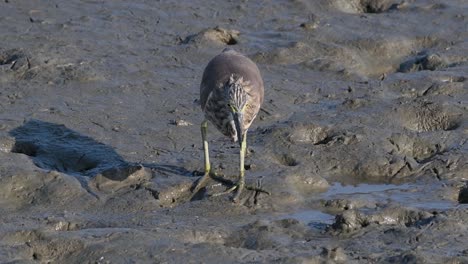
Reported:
(202, 182)
(240, 184)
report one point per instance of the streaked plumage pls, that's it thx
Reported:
(212, 98)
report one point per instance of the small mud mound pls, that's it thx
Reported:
(353, 220)
(308, 133)
(366, 6)
(419, 148)
(55, 147)
(423, 62)
(23, 185)
(135, 184)
(429, 116)
(299, 133)
(215, 35)
(262, 235)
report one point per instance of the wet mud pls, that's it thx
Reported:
(361, 140)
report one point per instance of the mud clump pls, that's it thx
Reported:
(353, 220)
(308, 133)
(136, 184)
(23, 186)
(346, 204)
(429, 116)
(419, 148)
(423, 62)
(299, 132)
(215, 35)
(119, 177)
(366, 6)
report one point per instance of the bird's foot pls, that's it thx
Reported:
(238, 187)
(202, 182)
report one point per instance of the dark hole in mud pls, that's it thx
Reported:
(231, 41)
(377, 6)
(8, 58)
(288, 160)
(55, 147)
(463, 195)
(25, 147)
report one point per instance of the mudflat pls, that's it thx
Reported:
(362, 138)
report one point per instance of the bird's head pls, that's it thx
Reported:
(237, 101)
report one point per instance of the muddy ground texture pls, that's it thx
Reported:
(362, 138)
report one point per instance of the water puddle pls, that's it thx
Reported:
(313, 216)
(409, 195)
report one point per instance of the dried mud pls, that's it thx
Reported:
(362, 139)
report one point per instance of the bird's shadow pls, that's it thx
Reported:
(55, 147)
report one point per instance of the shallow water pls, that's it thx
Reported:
(409, 195)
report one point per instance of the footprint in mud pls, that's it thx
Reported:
(56, 147)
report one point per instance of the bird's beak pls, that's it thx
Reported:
(239, 122)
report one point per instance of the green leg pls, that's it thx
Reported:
(204, 128)
(241, 182)
(202, 182)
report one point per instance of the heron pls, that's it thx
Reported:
(231, 94)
